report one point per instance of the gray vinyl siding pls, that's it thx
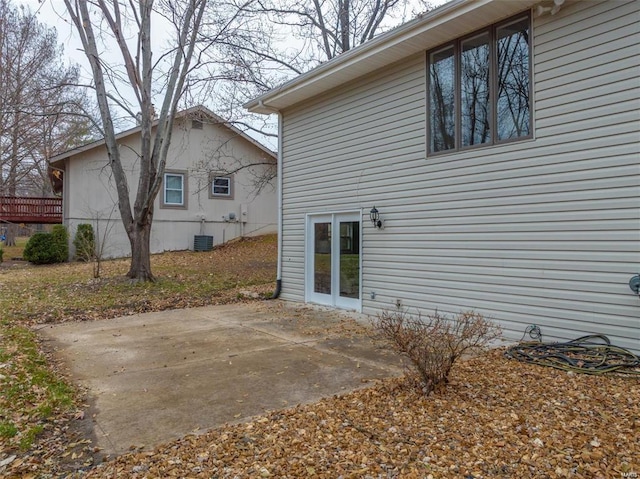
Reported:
(543, 231)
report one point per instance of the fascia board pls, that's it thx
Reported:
(374, 54)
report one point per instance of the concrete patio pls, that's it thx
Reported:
(155, 377)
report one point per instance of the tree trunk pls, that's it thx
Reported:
(142, 75)
(345, 26)
(12, 232)
(140, 239)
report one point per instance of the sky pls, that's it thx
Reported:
(53, 13)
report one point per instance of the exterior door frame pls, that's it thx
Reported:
(333, 299)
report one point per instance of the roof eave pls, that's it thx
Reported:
(264, 104)
(349, 65)
(58, 160)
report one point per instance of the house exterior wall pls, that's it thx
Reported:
(543, 231)
(90, 193)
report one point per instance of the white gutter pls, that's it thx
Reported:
(279, 181)
(355, 55)
(420, 34)
(279, 195)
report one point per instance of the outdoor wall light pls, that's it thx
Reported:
(374, 215)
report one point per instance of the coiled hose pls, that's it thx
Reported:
(592, 354)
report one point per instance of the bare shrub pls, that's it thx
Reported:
(435, 342)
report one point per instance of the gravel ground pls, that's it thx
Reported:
(497, 418)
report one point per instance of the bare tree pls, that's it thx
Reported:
(39, 104)
(222, 158)
(275, 40)
(92, 239)
(332, 27)
(127, 25)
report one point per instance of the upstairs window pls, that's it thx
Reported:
(513, 109)
(221, 187)
(479, 88)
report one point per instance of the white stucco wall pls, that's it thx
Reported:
(90, 195)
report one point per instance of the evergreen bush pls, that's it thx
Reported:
(60, 238)
(84, 242)
(40, 249)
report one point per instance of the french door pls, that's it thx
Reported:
(332, 269)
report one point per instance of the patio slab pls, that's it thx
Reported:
(155, 377)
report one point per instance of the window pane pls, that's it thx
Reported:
(173, 189)
(173, 182)
(322, 258)
(173, 197)
(475, 120)
(442, 100)
(513, 80)
(350, 259)
(222, 186)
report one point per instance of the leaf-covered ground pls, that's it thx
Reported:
(39, 430)
(496, 419)
(64, 292)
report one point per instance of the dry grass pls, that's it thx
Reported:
(11, 252)
(63, 292)
(38, 404)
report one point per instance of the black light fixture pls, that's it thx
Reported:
(374, 215)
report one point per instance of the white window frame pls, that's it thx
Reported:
(333, 299)
(221, 196)
(165, 189)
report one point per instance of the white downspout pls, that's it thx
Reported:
(276, 293)
(279, 181)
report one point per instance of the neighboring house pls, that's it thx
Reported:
(215, 184)
(500, 143)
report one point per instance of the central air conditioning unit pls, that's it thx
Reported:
(202, 243)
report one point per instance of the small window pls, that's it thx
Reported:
(174, 193)
(221, 187)
(196, 125)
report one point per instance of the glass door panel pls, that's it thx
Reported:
(350, 259)
(322, 258)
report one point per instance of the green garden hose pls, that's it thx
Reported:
(593, 354)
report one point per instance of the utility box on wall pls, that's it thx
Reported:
(244, 213)
(202, 243)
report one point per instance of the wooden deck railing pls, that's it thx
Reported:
(30, 210)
